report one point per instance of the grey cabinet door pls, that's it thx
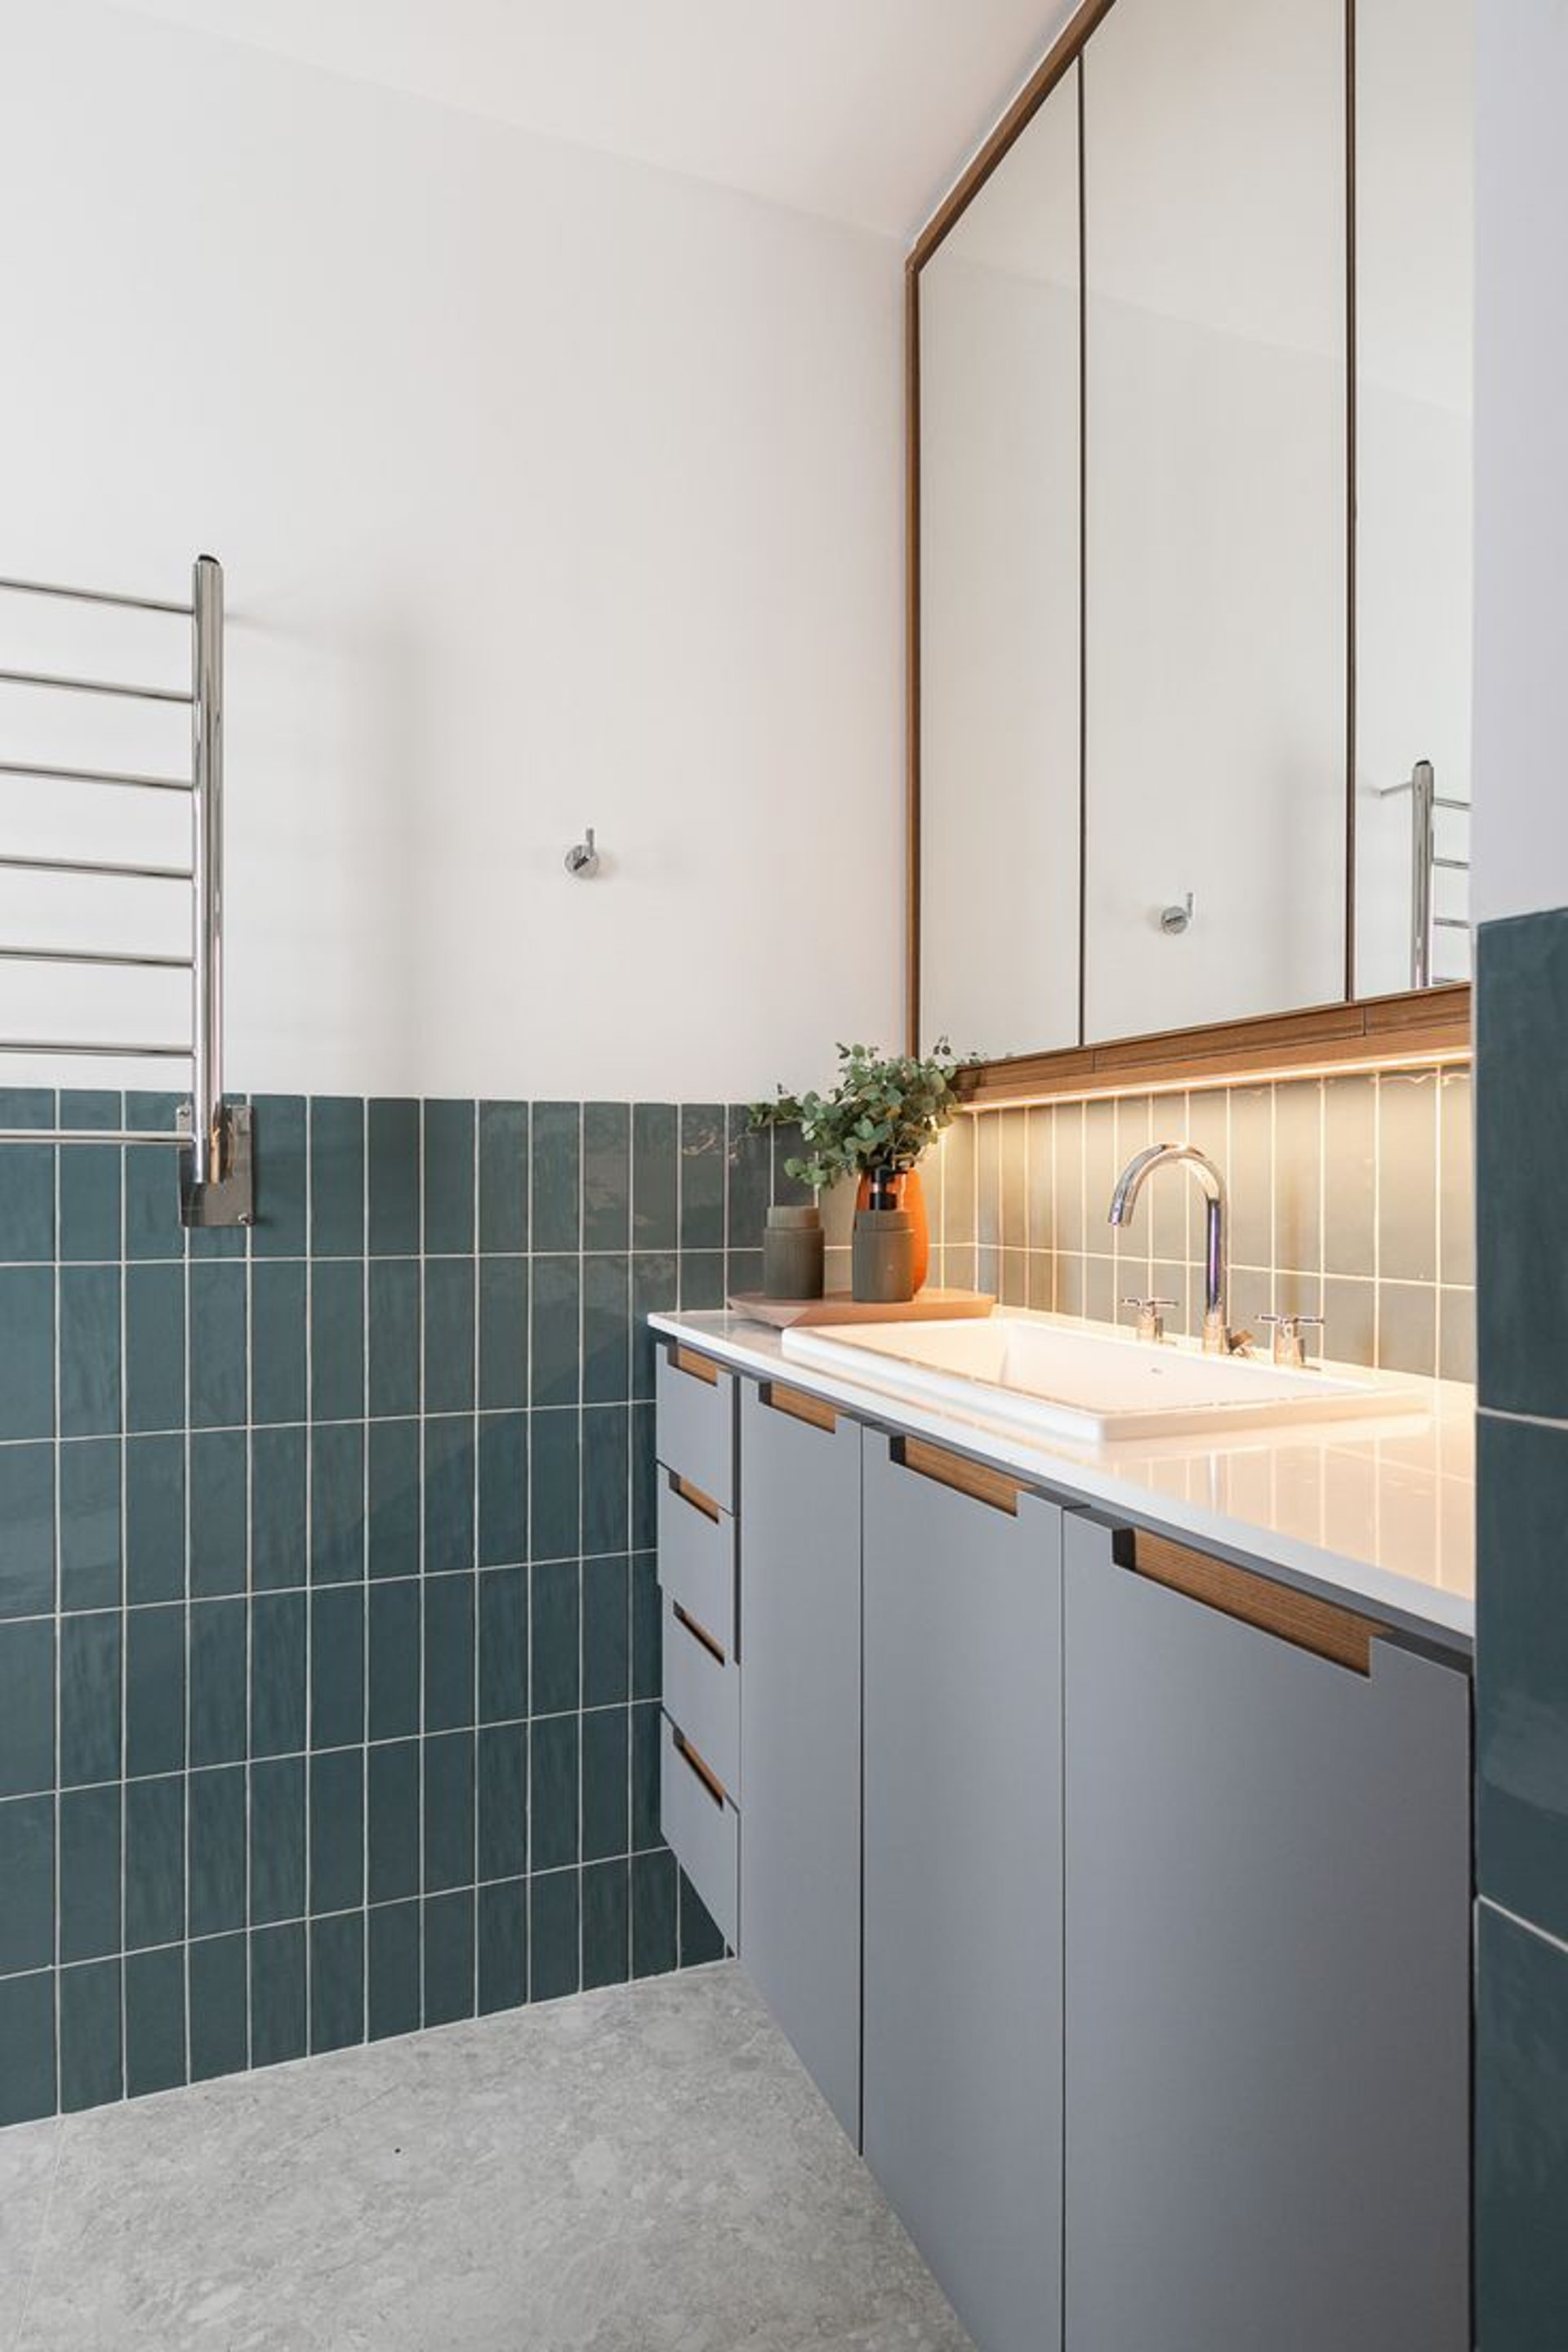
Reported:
(964, 1880)
(799, 1647)
(1267, 1935)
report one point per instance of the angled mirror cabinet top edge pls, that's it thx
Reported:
(1188, 611)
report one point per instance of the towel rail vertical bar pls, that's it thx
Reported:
(206, 862)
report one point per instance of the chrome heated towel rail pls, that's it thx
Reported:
(1425, 865)
(213, 1137)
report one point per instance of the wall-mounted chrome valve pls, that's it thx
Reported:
(1177, 919)
(1289, 1346)
(1150, 1321)
(582, 861)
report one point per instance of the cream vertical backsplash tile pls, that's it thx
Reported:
(1349, 1198)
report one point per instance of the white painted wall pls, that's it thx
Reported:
(550, 490)
(1521, 462)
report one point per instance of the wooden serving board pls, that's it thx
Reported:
(839, 1307)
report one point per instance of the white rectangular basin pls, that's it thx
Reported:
(1090, 1383)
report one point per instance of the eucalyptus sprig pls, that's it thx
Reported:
(882, 1113)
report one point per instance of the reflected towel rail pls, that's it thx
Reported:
(1425, 863)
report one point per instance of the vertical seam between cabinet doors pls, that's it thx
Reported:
(1062, 1910)
(863, 1437)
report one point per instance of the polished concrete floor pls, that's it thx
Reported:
(644, 2169)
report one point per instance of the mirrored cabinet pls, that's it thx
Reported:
(1190, 550)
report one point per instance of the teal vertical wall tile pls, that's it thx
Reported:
(219, 1512)
(656, 1290)
(218, 1336)
(645, 1479)
(748, 1175)
(277, 1649)
(155, 1691)
(556, 1602)
(700, 1938)
(154, 1347)
(337, 1666)
(606, 1923)
(392, 1131)
(557, 1331)
(395, 1342)
(701, 1280)
(337, 1981)
(154, 1862)
(646, 1830)
(555, 1470)
(607, 1478)
(503, 1644)
(152, 1226)
(393, 1813)
(219, 1998)
(647, 1662)
(449, 1801)
(503, 1175)
(26, 1706)
(215, 1806)
(277, 1341)
(554, 1933)
(606, 1331)
(396, 1508)
(702, 1141)
(89, 1350)
(337, 1830)
(448, 1652)
(503, 1489)
(503, 1333)
(393, 1969)
(26, 2048)
(502, 1763)
(277, 1994)
(502, 1946)
(27, 1359)
(606, 1630)
(90, 1833)
(448, 1495)
(28, 1875)
(653, 1914)
(27, 1530)
(556, 1218)
(449, 1334)
(607, 1175)
(91, 2061)
(89, 1666)
(337, 1502)
(278, 1530)
(277, 1840)
(1521, 1698)
(218, 1681)
(90, 1211)
(155, 1518)
(656, 1176)
(395, 1659)
(337, 1176)
(91, 1471)
(280, 1139)
(154, 2022)
(27, 1178)
(449, 1178)
(553, 1776)
(1521, 1012)
(449, 1935)
(606, 1762)
(337, 1340)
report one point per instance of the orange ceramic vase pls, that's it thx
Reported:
(908, 1193)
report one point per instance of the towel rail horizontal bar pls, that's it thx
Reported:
(95, 685)
(51, 775)
(96, 596)
(95, 866)
(95, 1051)
(123, 961)
(108, 1135)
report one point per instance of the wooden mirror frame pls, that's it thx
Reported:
(1417, 1025)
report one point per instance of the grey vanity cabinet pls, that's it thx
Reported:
(1267, 1950)
(964, 1881)
(800, 1729)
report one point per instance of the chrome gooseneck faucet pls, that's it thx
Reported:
(1217, 1338)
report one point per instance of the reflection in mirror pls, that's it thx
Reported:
(1216, 511)
(1414, 234)
(999, 447)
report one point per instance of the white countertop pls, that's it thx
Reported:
(1378, 1511)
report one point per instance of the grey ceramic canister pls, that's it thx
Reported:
(793, 1254)
(883, 1257)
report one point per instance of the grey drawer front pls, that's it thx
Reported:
(702, 1832)
(697, 1562)
(696, 1421)
(702, 1694)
